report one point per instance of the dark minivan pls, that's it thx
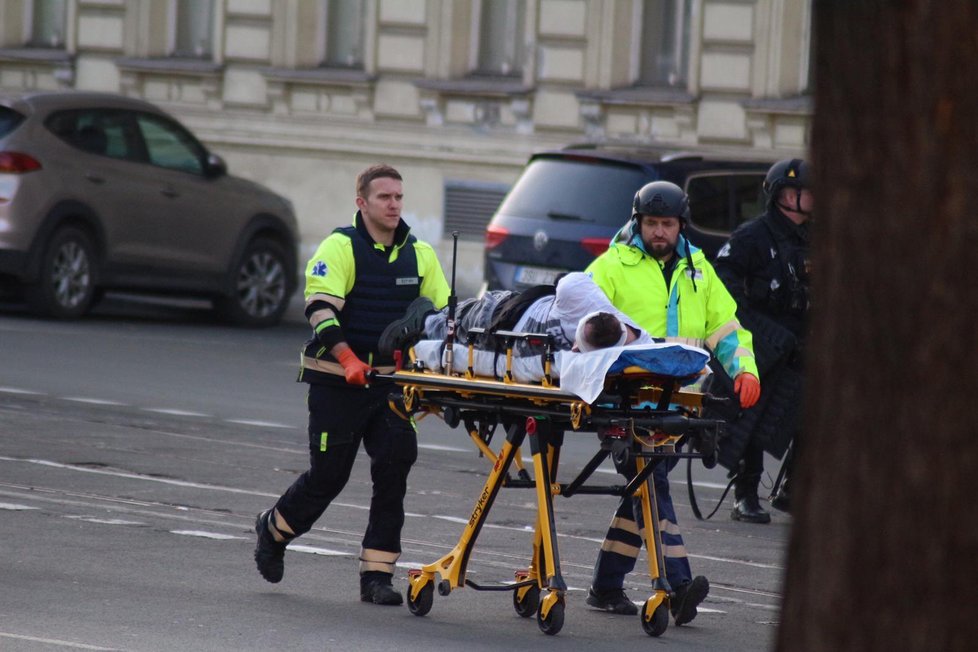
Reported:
(567, 204)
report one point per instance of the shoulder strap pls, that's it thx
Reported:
(692, 495)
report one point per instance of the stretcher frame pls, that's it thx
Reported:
(541, 414)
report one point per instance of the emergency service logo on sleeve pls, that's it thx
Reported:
(319, 269)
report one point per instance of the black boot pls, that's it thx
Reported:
(376, 587)
(747, 506)
(269, 553)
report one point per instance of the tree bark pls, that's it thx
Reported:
(884, 550)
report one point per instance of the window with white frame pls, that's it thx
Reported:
(500, 41)
(193, 28)
(664, 52)
(47, 23)
(342, 28)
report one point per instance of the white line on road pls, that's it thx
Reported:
(203, 534)
(175, 413)
(54, 641)
(104, 521)
(14, 507)
(319, 551)
(92, 401)
(260, 424)
(17, 390)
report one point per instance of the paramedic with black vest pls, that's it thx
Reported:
(360, 279)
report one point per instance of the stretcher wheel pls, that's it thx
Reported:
(422, 605)
(530, 602)
(660, 619)
(554, 621)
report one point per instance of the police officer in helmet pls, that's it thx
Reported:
(765, 265)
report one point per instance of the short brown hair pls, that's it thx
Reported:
(379, 171)
(602, 330)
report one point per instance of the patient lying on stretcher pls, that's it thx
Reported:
(577, 317)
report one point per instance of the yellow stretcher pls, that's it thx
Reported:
(640, 417)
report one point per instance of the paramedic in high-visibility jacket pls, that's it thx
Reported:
(652, 274)
(361, 278)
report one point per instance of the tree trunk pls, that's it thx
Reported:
(884, 550)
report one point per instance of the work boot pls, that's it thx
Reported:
(611, 600)
(686, 597)
(748, 509)
(406, 331)
(376, 587)
(747, 506)
(269, 553)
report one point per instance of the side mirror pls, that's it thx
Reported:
(216, 167)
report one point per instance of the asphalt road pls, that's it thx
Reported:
(136, 447)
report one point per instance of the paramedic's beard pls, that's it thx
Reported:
(660, 249)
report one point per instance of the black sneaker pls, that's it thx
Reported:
(686, 597)
(376, 587)
(269, 553)
(748, 509)
(611, 600)
(404, 332)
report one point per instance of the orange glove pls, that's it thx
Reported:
(748, 388)
(354, 368)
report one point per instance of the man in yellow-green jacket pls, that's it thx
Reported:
(652, 273)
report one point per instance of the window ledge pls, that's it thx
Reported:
(171, 66)
(40, 55)
(497, 87)
(797, 105)
(323, 76)
(639, 95)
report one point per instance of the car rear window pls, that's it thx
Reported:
(9, 119)
(578, 190)
(721, 202)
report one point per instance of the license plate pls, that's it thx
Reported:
(536, 276)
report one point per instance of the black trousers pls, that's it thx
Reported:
(339, 419)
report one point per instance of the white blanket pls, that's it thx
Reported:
(581, 374)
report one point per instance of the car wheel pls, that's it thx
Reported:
(260, 286)
(66, 285)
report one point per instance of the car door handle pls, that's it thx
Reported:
(169, 191)
(94, 178)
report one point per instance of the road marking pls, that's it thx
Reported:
(14, 507)
(260, 424)
(203, 534)
(439, 447)
(17, 390)
(92, 401)
(104, 521)
(175, 413)
(727, 560)
(313, 550)
(54, 641)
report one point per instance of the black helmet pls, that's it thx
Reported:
(661, 199)
(789, 173)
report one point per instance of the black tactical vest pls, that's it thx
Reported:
(380, 294)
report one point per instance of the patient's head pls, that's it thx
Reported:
(600, 330)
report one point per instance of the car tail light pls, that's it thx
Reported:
(18, 163)
(495, 236)
(595, 246)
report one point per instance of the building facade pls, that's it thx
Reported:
(302, 94)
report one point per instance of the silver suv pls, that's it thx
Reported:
(99, 192)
